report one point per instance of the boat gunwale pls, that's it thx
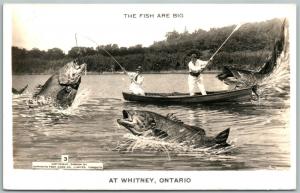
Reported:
(186, 95)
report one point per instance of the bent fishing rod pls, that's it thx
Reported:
(210, 59)
(85, 68)
(124, 70)
(234, 30)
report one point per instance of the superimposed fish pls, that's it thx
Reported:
(62, 87)
(244, 78)
(169, 128)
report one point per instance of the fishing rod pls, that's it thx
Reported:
(234, 30)
(85, 68)
(76, 40)
(106, 52)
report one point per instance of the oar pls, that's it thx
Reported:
(235, 29)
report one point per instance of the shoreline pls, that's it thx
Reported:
(120, 73)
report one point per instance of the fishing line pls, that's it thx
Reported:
(85, 67)
(234, 30)
(98, 46)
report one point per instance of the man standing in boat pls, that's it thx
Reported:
(136, 81)
(196, 66)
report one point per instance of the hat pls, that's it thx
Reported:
(139, 68)
(194, 56)
(77, 54)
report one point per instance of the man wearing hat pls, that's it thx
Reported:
(136, 81)
(196, 66)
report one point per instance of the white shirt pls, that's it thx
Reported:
(136, 80)
(136, 83)
(198, 66)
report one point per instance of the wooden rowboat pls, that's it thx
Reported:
(185, 98)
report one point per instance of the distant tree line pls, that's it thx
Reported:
(248, 47)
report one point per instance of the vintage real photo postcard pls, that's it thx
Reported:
(149, 96)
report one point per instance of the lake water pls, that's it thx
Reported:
(88, 131)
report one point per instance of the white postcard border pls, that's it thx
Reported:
(95, 180)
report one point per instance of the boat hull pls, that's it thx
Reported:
(185, 98)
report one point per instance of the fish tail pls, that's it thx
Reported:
(221, 138)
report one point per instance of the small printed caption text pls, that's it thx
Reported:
(150, 180)
(152, 16)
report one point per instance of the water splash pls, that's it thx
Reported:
(276, 86)
(140, 143)
(45, 107)
(279, 79)
(80, 99)
(39, 101)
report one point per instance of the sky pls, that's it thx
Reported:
(45, 26)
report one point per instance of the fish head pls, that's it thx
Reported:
(137, 122)
(70, 74)
(69, 78)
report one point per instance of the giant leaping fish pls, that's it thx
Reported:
(232, 75)
(169, 128)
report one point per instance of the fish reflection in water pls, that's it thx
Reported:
(88, 131)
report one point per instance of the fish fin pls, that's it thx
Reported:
(222, 137)
(23, 89)
(15, 91)
(148, 133)
(160, 133)
(156, 131)
(41, 87)
(172, 117)
(199, 130)
(169, 115)
(37, 90)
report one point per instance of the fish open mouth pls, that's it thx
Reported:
(129, 123)
(125, 114)
(126, 121)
